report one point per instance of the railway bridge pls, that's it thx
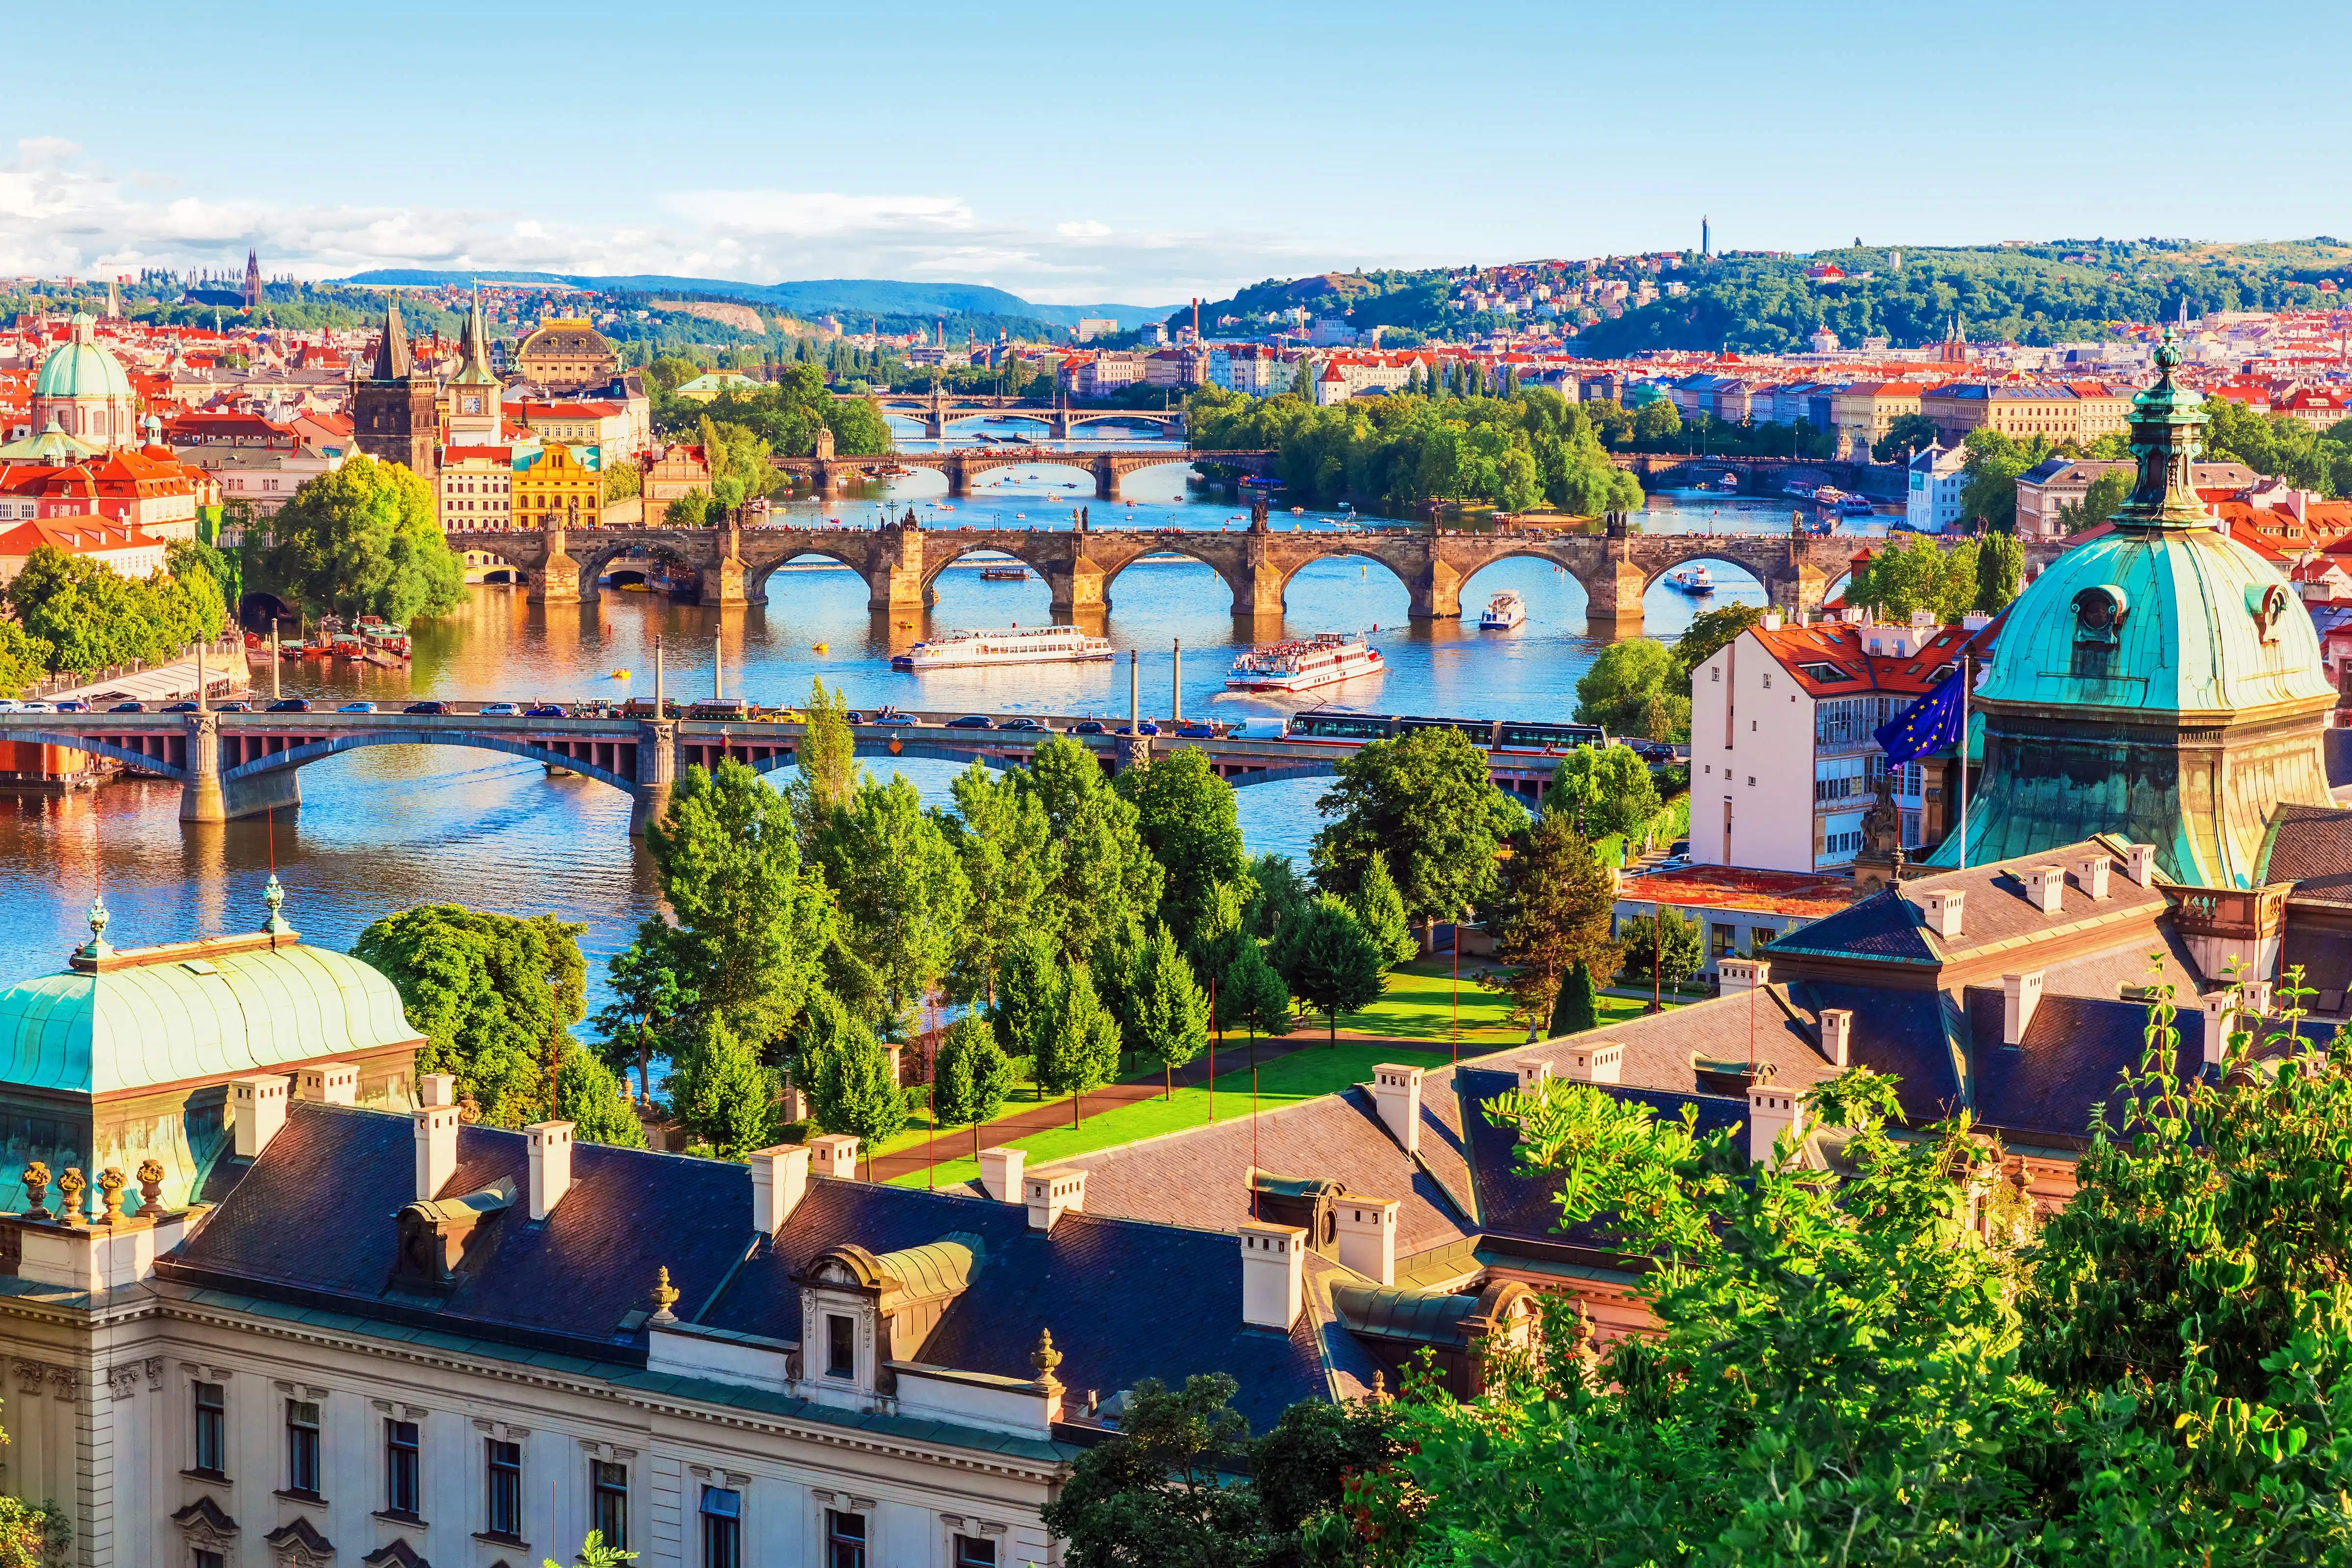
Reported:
(900, 564)
(233, 766)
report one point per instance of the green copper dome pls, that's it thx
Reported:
(80, 368)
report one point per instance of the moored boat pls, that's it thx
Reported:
(1304, 666)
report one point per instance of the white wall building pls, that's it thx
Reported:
(1932, 500)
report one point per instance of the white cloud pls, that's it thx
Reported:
(60, 214)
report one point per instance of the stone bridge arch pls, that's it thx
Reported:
(1430, 584)
(99, 747)
(757, 579)
(1238, 585)
(942, 550)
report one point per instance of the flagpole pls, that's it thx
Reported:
(1962, 755)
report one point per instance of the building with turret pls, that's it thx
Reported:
(474, 398)
(396, 407)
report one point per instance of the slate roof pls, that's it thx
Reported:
(1890, 925)
(312, 1222)
(2311, 846)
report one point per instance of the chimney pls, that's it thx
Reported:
(1368, 1234)
(1602, 1061)
(833, 1154)
(2019, 995)
(328, 1083)
(2045, 887)
(1738, 975)
(551, 1165)
(2139, 863)
(1771, 1113)
(436, 1146)
(1942, 909)
(258, 1104)
(1533, 1075)
(1771, 622)
(1397, 1091)
(779, 1181)
(2258, 1000)
(1051, 1193)
(1837, 1035)
(437, 1089)
(1273, 1274)
(2091, 875)
(2221, 1019)
(1000, 1173)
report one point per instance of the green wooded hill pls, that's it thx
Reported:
(2041, 293)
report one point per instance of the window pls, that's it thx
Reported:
(1724, 938)
(301, 1447)
(840, 1350)
(212, 1428)
(844, 1540)
(400, 1468)
(974, 1551)
(722, 1528)
(209, 1559)
(505, 1490)
(608, 1486)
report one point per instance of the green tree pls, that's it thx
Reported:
(1578, 1007)
(488, 992)
(826, 762)
(24, 659)
(1551, 914)
(898, 885)
(1907, 434)
(1427, 800)
(593, 1098)
(1618, 691)
(1913, 574)
(1279, 893)
(1253, 997)
(1379, 908)
(1077, 1049)
(847, 1073)
(594, 1552)
(753, 922)
(2099, 501)
(1332, 964)
(1669, 948)
(1157, 1492)
(1658, 421)
(1602, 790)
(1107, 875)
(1993, 466)
(972, 1077)
(691, 509)
(1028, 988)
(1708, 633)
(1999, 568)
(1010, 858)
(1184, 814)
(83, 614)
(1171, 1013)
(722, 1094)
(1301, 1468)
(208, 579)
(647, 1019)
(362, 540)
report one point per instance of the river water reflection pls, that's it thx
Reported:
(386, 829)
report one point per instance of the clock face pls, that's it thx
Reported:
(473, 406)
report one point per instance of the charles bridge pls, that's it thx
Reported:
(900, 564)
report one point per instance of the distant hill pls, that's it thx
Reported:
(846, 297)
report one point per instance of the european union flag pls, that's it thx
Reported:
(1928, 725)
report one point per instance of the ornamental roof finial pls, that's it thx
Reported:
(97, 946)
(1045, 1358)
(665, 1298)
(274, 895)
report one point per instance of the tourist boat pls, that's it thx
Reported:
(1504, 611)
(1004, 573)
(1692, 579)
(1853, 506)
(1308, 666)
(1014, 645)
(380, 635)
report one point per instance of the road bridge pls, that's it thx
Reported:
(235, 765)
(938, 411)
(900, 564)
(1109, 465)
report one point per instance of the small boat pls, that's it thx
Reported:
(821, 647)
(1004, 573)
(620, 675)
(1691, 580)
(1853, 506)
(1505, 611)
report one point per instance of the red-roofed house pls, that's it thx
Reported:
(1783, 758)
(606, 425)
(121, 547)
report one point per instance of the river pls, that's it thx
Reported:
(386, 829)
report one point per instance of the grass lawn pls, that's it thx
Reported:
(1419, 1006)
(1285, 1080)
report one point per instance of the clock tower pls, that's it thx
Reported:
(474, 416)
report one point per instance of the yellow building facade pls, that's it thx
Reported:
(558, 486)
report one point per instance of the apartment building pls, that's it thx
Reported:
(2016, 409)
(1933, 489)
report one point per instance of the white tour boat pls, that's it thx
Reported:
(1308, 665)
(1691, 580)
(1504, 611)
(1014, 645)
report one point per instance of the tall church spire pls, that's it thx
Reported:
(392, 362)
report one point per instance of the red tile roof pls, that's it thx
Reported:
(1832, 659)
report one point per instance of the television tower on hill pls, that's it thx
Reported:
(1705, 238)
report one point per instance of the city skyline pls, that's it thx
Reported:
(1105, 161)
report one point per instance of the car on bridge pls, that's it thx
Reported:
(73, 705)
(290, 705)
(179, 708)
(1088, 727)
(238, 707)
(431, 710)
(551, 710)
(886, 717)
(971, 721)
(356, 708)
(498, 710)
(127, 707)
(1026, 724)
(1197, 732)
(1146, 728)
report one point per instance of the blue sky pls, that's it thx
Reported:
(1144, 154)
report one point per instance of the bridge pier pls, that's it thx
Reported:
(201, 799)
(1436, 591)
(894, 580)
(558, 581)
(722, 582)
(1105, 479)
(1257, 588)
(1801, 590)
(1612, 598)
(656, 773)
(959, 477)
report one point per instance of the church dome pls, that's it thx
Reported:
(2177, 620)
(80, 368)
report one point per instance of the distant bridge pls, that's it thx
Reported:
(900, 564)
(235, 765)
(939, 410)
(1109, 465)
